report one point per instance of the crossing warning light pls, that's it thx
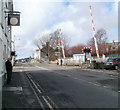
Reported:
(87, 50)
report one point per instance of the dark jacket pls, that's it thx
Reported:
(8, 66)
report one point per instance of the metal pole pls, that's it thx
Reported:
(63, 51)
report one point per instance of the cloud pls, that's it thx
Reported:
(38, 18)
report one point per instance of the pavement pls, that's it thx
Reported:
(19, 94)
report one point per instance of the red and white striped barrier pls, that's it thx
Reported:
(93, 26)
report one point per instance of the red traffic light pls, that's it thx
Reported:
(87, 50)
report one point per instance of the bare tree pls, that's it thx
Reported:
(101, 41)
(58, 36)
(91, 42)
(75, 49)
(47, 43)
(101, 36)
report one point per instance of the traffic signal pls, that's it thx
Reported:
(87, 50)
(13, 53)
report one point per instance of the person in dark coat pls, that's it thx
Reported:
(61, 61)
(57, 62)
(8, 65)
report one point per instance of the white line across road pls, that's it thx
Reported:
(42, 68)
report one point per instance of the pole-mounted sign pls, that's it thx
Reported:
(13, 19)
(59, 44)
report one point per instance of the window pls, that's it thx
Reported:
(6, 5)
(113, 48)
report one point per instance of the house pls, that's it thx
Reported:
(113, 46)
(37, 54)
(113, 49)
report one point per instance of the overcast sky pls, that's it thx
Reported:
(73, 18)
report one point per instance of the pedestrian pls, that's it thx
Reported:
(57, 62)
(61, 61)
(8, 65)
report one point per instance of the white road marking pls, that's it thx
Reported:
(12, 88)
(42, 68)
(94, 84)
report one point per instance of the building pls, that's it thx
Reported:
(113, 46)
(113, 49)
(37, 55)
(80, 57)
(5, 40)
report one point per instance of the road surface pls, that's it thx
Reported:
(58, 87)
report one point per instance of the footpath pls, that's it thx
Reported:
(19, 94)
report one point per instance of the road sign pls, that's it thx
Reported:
(59, 44)
(57, 54)
(13, 19)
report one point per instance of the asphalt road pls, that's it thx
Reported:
(62, 87)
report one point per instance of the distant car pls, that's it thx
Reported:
(112, 63)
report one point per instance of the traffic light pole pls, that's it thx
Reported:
(63, 51)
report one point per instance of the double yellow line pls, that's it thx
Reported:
(37, 86)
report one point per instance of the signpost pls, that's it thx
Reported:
(57, 54)
(13, 19)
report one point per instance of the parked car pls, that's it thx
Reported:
(112, 63)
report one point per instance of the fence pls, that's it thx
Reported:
(77, 62)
